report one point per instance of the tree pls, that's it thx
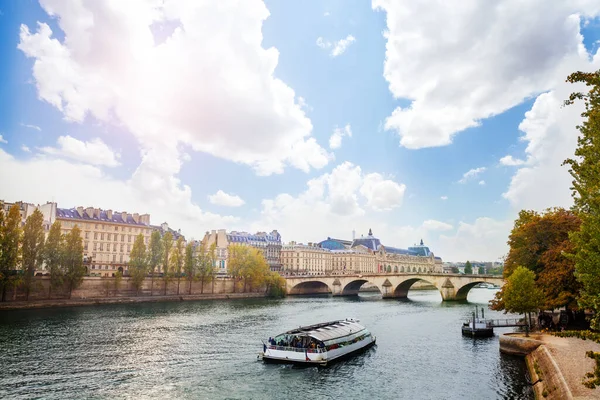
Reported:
(73, 267)
(190, 265)
(468, 268)
(155, 255)
(206, 265)
(138, 263)
(167, 245)
(53, 256)
(275, 285)
(33, 247)
(10, 236)
(248, 264)
(481, 271)
(177, 259)
(585, 170)
(455, 270)
(540, 242)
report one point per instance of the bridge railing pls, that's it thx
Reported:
(499, 323)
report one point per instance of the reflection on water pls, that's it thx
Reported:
(208, 350)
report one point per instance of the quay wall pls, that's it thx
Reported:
(97, 290)
(546, 377)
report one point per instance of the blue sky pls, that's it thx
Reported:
(107, 120)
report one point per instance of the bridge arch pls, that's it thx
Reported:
(311, 287)
(401, 291)
(352, 288)
(463, 291)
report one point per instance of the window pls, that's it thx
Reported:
(87, 235)
(95, 247)
(122, 245)
(121, 257)
(129, 229)
(102, 236)
(128, 248)
(95, 235)
(114, 258)
(129, 238)
(114, 247)
(85, 246)
(122, 238)
(96, 226)
(108, 237)
(101, 246)
(116, 228)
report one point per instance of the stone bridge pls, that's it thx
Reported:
(394, 285)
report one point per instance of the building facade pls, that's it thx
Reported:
(268, 243)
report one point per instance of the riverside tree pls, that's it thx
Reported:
(138, 263)
(10, 236)
(189, 265)
(155, 255)
(177, 260)
(167, 245)
(521, 295)
(206, 265)
(585, 170)
(468, 268)
(74, 270)
(540, 242)
(53, 250)
(248, 264)
(33, 248)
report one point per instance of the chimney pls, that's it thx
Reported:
(97, 213)
(80, 211)
(124, 216)
(90, 212)
(109, 214)
(145, 219)
(136, 217)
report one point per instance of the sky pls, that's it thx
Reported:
(433, 120)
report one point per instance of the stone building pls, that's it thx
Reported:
(361, 255)
(268, 243)
(26, 209)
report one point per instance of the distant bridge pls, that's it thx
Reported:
(391, 285)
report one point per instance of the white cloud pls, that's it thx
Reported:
(483, 240)
(326, 14)
(94, 152)
(433, 225)
(335, 141)
(26, 149)
(2, 140)
(223, 100)
(511, 161)
(382, 194)
(471, 174)
(37, 128)
(457, 72)
(224, 199)
(444, 197)
(481, 183)
(337, 47)
(72, 184)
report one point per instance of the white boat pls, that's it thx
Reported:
(318, 344)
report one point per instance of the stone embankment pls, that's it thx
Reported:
(556, 365)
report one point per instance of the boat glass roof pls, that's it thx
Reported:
(328, 331)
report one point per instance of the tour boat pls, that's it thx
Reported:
(318, 344)
(478, 327)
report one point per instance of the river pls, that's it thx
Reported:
(208, 350)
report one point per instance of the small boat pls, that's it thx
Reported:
(318, 344)
(478, 327)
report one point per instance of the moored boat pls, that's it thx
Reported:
(318, 344)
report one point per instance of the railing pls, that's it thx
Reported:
(296, 349)
(502, 323)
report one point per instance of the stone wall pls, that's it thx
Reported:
(99, 287)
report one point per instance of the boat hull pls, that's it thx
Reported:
(477, 332)
(320, 359)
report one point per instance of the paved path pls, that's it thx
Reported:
(569, 354)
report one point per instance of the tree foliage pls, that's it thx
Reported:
(138, 263)
(585, 170)
(32, 248)
(155, 255)
(10, 236)
(73, 267)
(177, 260)
(539, 242)
(468, 268)
(248, 264)
(521, 295)
(167, 245)
(53, 256)
(190, 264)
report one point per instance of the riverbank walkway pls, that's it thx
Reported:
(569, 355)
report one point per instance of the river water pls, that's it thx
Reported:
(208, 350)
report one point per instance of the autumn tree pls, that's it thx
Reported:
(155, 255)
(10, 236)
(248, 264)
(177, 260)
(33, 248)
(190, 265)
(53, 256)
(468, 268)
(206, 265)
(167, 245)
(72, 261)
(138, 263)
(540, 242)
(585, 170)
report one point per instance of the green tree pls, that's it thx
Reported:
(10, 237)
(177, 260)
(468, 268)
(138, 263)
(53, 256)
(247, 264)
(190, 265)
(72, 264)
(206, 265)
(585, 170)
(167, 245)
(33, 248)
(155, 255)
(275, 285)
(481, 271)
